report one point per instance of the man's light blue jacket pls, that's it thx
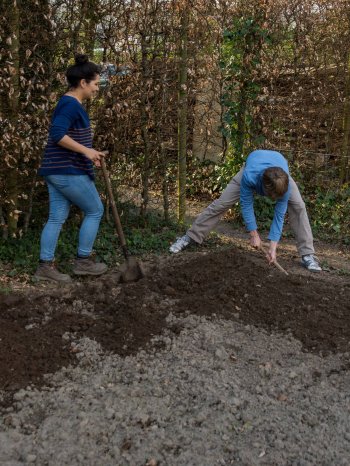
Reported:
(257, 162)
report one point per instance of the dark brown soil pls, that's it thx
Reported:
(123, 318)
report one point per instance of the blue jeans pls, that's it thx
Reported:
(65, 190)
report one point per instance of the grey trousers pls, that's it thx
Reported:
(299, 221)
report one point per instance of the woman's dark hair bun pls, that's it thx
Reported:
(80, 59)
(82, 69)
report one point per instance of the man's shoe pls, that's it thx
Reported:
(181, 243)
(310, 262)
(47, 271)
(86, 266)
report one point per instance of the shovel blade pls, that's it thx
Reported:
(131, 270)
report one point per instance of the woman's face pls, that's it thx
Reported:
(90, 88)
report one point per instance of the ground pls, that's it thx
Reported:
(41, 326)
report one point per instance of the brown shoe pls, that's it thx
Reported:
(86, 266)
(47, 271)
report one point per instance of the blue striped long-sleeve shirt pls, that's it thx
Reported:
(71, 119)
(257, 162)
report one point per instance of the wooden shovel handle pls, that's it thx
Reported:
(275, 263)
(114, 207)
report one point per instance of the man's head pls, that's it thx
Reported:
(275, 182)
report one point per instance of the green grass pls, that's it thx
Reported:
(150, 234)
(5, 289)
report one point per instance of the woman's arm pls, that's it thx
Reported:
(68, 143)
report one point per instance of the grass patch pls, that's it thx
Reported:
(144, 235)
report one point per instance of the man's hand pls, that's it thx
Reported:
(271, 254)
(255, 240)
(94, 156)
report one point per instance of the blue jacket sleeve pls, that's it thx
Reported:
(278, 218)
(247, 205)
(62, 122)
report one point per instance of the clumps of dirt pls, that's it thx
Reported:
(34, 328)
(124, 318)
(30, 347)
(239, 285)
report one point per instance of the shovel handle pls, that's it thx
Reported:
(114, 207)
(275, 263)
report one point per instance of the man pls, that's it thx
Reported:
(265, 173)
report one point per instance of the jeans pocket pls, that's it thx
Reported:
(58, 181)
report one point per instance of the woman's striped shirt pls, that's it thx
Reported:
(69, 118)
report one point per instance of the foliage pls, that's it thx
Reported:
(329, 211)
(200, 178)
(277, 70)
(240, 61)
(149, 234)
(206, 177)
(226, 170)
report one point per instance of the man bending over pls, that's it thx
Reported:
(266, 173)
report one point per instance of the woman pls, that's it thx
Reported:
(67, 167)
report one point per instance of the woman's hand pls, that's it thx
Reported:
(94, 156)
(255, 240)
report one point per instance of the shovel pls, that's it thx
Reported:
(131, 270)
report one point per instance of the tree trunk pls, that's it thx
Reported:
(144, 127)
(28, 214)
(12, 173)
(222, 123)
(182, 115)
(345, 154)
(163, 162)
(5, 232)
(89, 13)
(241, 120)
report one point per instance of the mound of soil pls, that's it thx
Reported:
(123, 318)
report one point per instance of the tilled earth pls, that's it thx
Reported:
(123, 318)
(40, 329)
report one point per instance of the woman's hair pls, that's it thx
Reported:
(82, 69)
(275, 182)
